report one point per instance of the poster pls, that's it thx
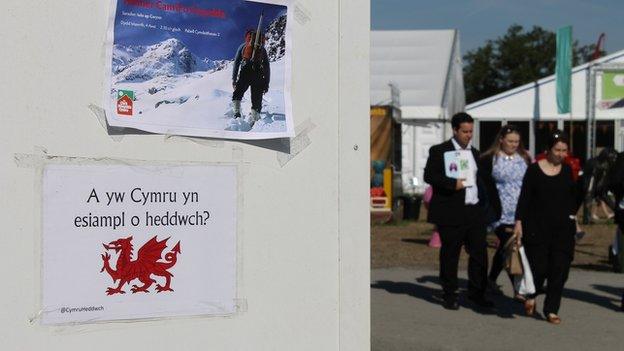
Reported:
(127, 242)
(612, 90)
(189, 67)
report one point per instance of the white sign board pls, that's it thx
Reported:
(128, 242)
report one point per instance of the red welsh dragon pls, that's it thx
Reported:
(146, 264)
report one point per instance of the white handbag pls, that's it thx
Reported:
(524, 284)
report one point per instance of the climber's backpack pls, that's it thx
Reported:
(250, 37)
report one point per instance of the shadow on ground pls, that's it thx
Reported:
(602, 266)
(416, 241)
(405, 244)
(506, 307)
(592, 298)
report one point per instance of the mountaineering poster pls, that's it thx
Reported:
(206, 68)
(122, 242)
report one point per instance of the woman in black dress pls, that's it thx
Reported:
(546, 224)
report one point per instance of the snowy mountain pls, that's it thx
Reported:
(275, 38)
(124, 54)
(215, 65)
(203, 100)
(167, 58)
(175, 88)
(171, 57)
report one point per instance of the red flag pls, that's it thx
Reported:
(597, 52)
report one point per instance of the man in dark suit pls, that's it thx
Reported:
(616, 186)
(457, 209)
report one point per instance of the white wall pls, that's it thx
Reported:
(417, 138)
(305, 231)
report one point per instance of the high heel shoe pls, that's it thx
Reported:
(520, 298)
(529, 307)
(553, 319)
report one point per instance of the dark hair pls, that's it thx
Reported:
(556, 137)
(606, 158)
(495, 148)
(459, 118)
(607, 155)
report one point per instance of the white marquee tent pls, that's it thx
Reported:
(533, 107)
(426, 68)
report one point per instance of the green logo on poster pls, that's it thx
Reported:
(128, 93)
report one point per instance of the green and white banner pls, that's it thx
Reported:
(563, 69)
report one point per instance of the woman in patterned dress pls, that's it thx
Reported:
(503, 165)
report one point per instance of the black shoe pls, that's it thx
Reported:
(494, 288)
(450, 302)
(481, 301)
(622, 305)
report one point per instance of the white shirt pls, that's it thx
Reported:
(472, 192)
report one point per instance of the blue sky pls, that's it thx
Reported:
(240, 15)
(479, 20)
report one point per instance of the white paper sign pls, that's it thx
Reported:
(127, 242)
(459, 165)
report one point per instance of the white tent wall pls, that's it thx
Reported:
(422, 134)
(426, 66)
(417, 62)
(304, 230)
(454, 99)
(417, 138)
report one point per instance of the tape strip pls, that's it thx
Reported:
(115, 133)
(237, 153)
(219, 144)
(297, 144)
(40, 157)
(100, 114)
(30, 160)
(241, 305)
(302, 15)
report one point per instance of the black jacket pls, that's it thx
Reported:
(494, 208)
(446, 206)
(616, 185)
(239, 63)
(545, 206)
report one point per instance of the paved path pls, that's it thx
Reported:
(407, 315)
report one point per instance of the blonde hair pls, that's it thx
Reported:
(495, 148)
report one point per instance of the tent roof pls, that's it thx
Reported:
(419, 63)
(537, 99)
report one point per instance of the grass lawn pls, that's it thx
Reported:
(404, 244)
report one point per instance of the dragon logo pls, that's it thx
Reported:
(146, 264)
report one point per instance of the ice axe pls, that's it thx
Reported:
(257, 38)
